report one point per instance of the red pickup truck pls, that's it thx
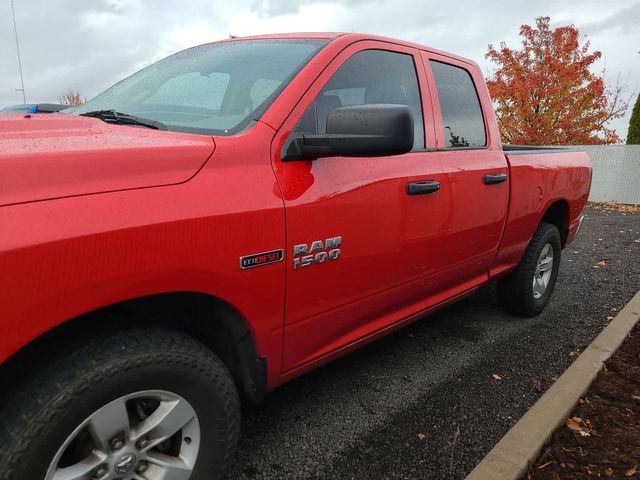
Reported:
(240, 213)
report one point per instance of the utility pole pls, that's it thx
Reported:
(15, 30)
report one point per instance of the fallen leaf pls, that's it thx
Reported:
(631, 472)
(608, 472)
(635, 397)
(555, 379)
(421, 436)
(540, 467)
(573, 424)
(578, 425)
(637, 241)
(610, 318)
(496, 376)
(573, 354)
(601, 263)
(537, 385)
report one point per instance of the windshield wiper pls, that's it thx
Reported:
(111, 116)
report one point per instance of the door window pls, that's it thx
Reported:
(368, 77)
(461, 113)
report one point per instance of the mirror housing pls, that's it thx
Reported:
(358, 130)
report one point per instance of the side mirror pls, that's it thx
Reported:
(358, 130)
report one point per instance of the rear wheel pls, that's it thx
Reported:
(142, 404)
(527, 290)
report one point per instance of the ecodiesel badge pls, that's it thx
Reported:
(259, 259)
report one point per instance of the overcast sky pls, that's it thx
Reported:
(90, 44)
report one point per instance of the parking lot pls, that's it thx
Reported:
(432, 399)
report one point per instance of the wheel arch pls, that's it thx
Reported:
(211, 320)
(557, 213)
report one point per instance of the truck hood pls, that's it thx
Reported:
(55, 156)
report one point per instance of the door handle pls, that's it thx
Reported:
(420, 188)
(493, 178)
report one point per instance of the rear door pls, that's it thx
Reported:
(388, 241)
(475, 171)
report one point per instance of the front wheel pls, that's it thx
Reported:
(141, 404)
(527, 290)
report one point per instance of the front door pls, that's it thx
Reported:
(361, 251)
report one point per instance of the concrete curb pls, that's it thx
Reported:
(510, 458)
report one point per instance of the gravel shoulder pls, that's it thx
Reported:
(429, 401)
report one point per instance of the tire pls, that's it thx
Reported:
(162, 379)
(517, 292)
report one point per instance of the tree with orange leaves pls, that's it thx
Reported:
(545, 94)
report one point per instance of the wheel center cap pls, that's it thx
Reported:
(125, 463)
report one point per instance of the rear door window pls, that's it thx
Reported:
(462, 118)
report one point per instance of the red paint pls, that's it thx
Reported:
(54, 156)
(95, 214)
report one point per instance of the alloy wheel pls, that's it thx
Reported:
(148, 435)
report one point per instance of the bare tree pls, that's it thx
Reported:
(72, 97)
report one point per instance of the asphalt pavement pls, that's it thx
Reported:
(430, 400)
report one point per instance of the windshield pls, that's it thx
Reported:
(216, 89)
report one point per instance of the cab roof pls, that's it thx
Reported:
(350, 37)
